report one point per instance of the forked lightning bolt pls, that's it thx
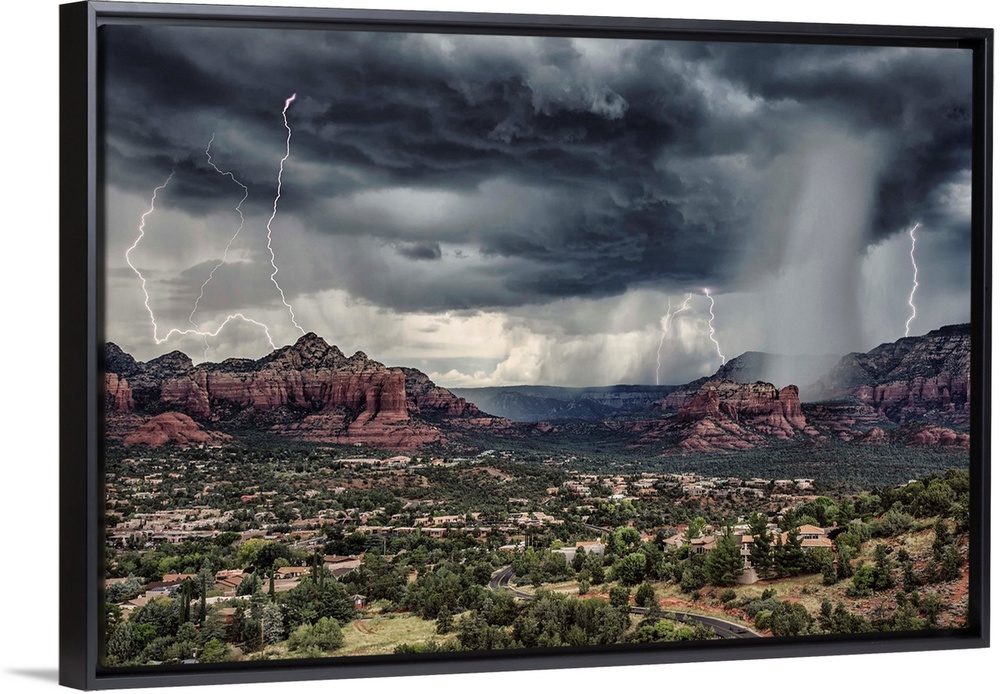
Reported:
(201, 294)
(274, 212)
(142, 232)
(669, 319)
(711, 325)
(225, 253)
(215, 333)
(913, 292)
(152, 317)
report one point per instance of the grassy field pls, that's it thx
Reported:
(379, 635)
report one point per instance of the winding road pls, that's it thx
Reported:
(500, 580)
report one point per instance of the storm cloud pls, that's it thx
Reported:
(505, 176)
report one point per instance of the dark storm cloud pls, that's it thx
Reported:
(420, 251)
(920, 99)
(606, 145)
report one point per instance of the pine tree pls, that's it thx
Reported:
(761, 554)
(272, 622)
(789, 557)
(186, 595)
(882, 579)
(724, 564)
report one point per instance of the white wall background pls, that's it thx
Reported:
(29, 277)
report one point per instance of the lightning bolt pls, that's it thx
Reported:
(274, 212)
(225, 253)
(913, 249)
(666, 328)
(711, 325)
(128, 253)
(215, 333)
(145, 292)
(194, 330)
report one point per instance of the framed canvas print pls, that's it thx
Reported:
(414, 342)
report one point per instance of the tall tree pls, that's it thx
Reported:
(761, 549)
(883, 568)
(724, 564)
(789, 558)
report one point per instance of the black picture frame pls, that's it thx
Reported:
(81, 343)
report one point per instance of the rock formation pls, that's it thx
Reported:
(913, 378)
(308, 390)
(172, 428)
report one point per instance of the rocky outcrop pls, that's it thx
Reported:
(914, 378)
(308, 390)
(875, 437)
(708, 435)
(172, 428)
(117, 394)
(751, 367)
(429, 399)
(758, 406)
(934, 436)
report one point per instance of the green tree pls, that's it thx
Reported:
(619, 596)
(323, 636)
(695, 529)
(935, 500)
(863, 582)
(840, 620)
(214, 651)
(122, 644)
(932, 606)
(645, 596)
(273, 622)
(789, 559)
(445, 621)
(630, 569)
(907, 565)
(845, 554)
(882, 573)
(249, 585)
(594, 566)
(761, 549)
(724, 564)
(789, 619)
(309, 602)
(476, 634)
(895, 523)
(162, 615)
(123, 590)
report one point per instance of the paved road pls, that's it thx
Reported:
(725, 629)
(500, 580)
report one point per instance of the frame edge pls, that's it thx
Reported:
(76, 188)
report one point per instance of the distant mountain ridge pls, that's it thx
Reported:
(543, 403)
(914, 391)
(910, 379)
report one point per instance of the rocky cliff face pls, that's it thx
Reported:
(914, 378)
(309, 390)
(758, 407)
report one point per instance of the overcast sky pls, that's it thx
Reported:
(508, 210)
